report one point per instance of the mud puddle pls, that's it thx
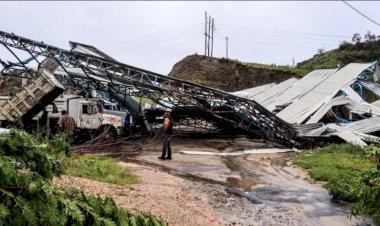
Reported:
(273, 187)
(269, 179)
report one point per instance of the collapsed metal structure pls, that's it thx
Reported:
(192, 104)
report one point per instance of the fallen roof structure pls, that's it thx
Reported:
(326, 102)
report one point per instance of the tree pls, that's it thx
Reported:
(369, 36)
(356, 38)
(28, 196)
(320, 50)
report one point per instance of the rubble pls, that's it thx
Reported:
(326, 102)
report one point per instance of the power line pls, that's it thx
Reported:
(151, 40)
(153, 43)
(361, 13)
(284, 31)
(150, 36)
(287, 36)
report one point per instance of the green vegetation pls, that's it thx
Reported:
(100, 168)
(279, 68)
(358, 51)
(28, 197)
(351, 175)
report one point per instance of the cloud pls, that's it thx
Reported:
(156, 35)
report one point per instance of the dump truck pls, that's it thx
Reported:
(40, 101)
(37, 93)
(92, 115)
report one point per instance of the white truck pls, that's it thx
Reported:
(40, 102)
(92, 116)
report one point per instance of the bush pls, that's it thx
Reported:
(350, 174)
(28, 197)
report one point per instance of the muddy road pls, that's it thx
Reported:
(255, 189)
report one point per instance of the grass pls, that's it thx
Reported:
(334, 161)
(338, 165)
(100, 168)
(282, 68)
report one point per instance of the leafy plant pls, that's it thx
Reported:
(350, 174)
(28, 197)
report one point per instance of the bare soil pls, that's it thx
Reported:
(262, 189)
(225, 74)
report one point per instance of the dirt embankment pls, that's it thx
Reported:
(224, 74)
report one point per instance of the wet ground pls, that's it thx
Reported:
(278, 193)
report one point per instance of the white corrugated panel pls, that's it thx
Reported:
(358, 108)
(346, 134)
(326, 107)
(302, 108)
(351, 138)
(251, 92)
(302, 87)
(365, 126)
(352, 94)
(376, 103)
(275, 91)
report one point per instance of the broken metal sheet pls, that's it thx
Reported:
(368, 138)
(300, 88)
(345, 134)
(353, 106)
(351, 138)
(372, 86)
(341, 100)
(376, 103)
(301, 109)
(365, 126)
(304, 129)
(352, 94)
(245, 152)
(275, 91)
(250, 93)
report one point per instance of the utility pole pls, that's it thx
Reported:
(212, 36)
(205, 32)
(227, 47)
(209, 30)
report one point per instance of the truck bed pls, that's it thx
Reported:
(33, 97)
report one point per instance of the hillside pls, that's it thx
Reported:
(358, 52)
(228, 75)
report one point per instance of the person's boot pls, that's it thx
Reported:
(162, 157)
(169, 153)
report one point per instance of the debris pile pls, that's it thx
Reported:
(326, 102)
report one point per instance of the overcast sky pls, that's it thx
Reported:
(156, 35)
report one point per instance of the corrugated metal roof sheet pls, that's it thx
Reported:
(302, 108)
(352, 94)
(373, 86)
(274, 92)
(251, 92)
(376, 103)
(302, 87)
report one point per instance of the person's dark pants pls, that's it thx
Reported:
(166, 147)
(70, 140)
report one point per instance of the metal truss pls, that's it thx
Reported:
(119, 78)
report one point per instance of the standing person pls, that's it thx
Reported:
(67, 125)
(168, 131)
